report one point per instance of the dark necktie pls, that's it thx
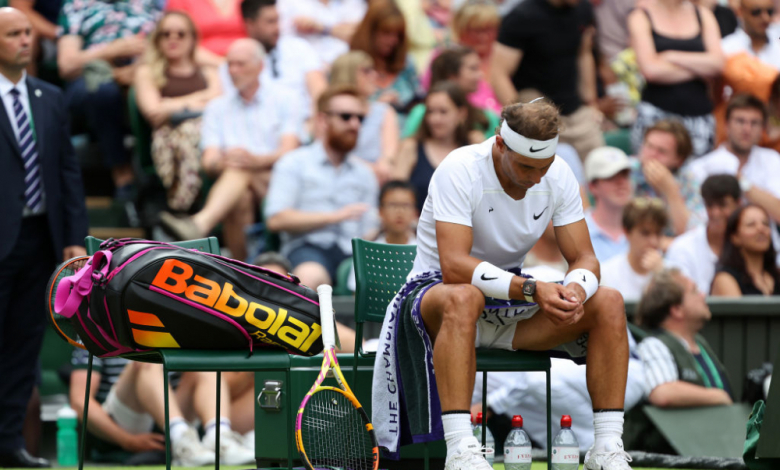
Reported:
(33, 181)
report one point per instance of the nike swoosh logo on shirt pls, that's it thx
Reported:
(536, 217)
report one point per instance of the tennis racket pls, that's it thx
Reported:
(332, 431)
(61, 324)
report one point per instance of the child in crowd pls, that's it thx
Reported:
(644, 220)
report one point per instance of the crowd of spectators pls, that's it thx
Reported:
(324, 120)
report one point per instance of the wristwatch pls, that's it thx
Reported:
(529, 289)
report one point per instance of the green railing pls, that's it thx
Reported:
(744, 332)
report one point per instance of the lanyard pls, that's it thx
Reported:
(711, 366)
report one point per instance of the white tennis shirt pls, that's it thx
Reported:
(465, 190)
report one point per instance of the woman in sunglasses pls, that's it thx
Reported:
(171, 92)
(448, 125)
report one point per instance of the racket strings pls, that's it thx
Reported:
(334, 433)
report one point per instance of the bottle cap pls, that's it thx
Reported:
(565, 421)
(66, 412)
(517, 421)
(479, 418)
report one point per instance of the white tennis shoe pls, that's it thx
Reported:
(188, 451)
(470, 456)
(231, 449)
(614, 457)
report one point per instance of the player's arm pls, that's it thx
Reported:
(459, 267)
(574, 243)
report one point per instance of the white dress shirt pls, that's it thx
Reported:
(8, 99)
(6, 86)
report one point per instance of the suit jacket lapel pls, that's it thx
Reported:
(5, 127)
(38, 114)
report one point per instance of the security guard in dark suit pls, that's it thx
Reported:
(44, 220)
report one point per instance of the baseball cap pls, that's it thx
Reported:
(605, 162)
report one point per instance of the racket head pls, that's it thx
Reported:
(333, 431)
(62, 325)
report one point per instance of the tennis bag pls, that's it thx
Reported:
(136, 295)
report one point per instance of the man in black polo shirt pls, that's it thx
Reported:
(547, 46)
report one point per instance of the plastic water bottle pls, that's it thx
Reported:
(517, 447)
(67, 437)
(565, 449)
(490, 443)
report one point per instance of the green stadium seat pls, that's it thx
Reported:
(380, 271)
(620, 138)
(342, 278)
(194, 360)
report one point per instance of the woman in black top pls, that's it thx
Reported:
(747, 264)
(677, 46)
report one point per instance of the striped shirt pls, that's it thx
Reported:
(660, 366)
(109, 368)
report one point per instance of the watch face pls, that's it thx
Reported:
(529, 287)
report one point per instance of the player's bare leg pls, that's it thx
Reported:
(450, 314)
(607, 365)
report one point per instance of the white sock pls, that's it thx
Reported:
(178, 427)
(457, 426)
(608, 428)
(211, 428)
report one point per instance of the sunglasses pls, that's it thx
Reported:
(757, 11)
(346, 117)
(178, 34)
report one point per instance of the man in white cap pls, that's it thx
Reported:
(487, 206)
(608, 170)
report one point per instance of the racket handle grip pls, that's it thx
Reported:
(327, 320)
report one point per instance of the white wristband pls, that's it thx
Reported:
(584, 278)
(492, 280)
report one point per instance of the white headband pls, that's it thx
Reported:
(531, 148)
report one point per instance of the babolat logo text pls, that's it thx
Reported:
(261, 321)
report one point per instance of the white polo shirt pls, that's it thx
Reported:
(329, 14)
(617, 273)
(691, 253)
(739, 41)
(465, 190)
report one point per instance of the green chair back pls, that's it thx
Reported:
(620, 138)
(380, 271)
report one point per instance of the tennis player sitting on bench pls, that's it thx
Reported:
(487, 206)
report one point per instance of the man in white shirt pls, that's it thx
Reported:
(608, 171)
(327, 25)
(290, 61)
(752, 37)
(681, 370)
(644, 220)
(243, 134)
(487, 205)
(696, 252)
(755, 167)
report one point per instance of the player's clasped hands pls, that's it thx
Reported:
(560, 303)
